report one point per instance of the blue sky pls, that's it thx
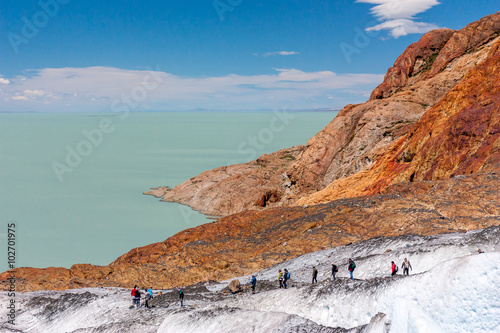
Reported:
(69, 55)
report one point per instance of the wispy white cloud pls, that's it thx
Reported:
(282, 53)
(4, 81)
(398, 16)
(19, 98)
(34, 92)
(403, 27)
(98, 88)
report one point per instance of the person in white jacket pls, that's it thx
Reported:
(406, 266)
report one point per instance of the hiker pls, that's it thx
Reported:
(315, 275)
(394, 268)
(181, 296)
(286, 277)
(150, 291)
(280, 278)
(133, 294)
(335, 269)
(480, 251)
(147, 297)
(406, 265)
(253, 283)
(351, 267)
(137, 298)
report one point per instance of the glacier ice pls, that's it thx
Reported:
(452, 288)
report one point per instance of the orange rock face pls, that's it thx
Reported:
(416, 58)
(355, 140)
(459, 136)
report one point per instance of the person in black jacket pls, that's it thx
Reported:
(315, 275)
(335, 269)
(181, 297)
(137, 298)
(147, 297)
(351, 268)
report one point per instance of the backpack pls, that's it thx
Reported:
(288, 275)
(336, 269)
(397, 268)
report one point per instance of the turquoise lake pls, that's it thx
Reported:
(90, 208)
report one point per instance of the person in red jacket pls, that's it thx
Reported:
(133, 294)
(394, 268)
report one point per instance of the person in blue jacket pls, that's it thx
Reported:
(286, 276)
(253, 283)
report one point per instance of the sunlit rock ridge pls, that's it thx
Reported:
(444, 65)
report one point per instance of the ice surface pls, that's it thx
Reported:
(452, 288)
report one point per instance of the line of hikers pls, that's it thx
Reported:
(406, 266)
(283, 277)
(351, 267)
(148, 295)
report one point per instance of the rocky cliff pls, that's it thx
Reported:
(421, 156)
(354, 141)
(460, 135)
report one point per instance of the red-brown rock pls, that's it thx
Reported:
(356, 139)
